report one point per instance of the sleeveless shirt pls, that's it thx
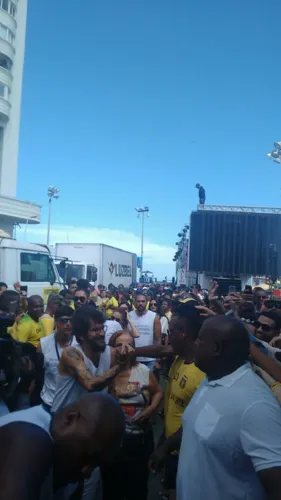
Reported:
(51, 360)
(145, 326)
(69, 390)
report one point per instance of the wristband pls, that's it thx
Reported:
(276, 384)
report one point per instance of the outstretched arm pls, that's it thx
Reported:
(154, 351)
(72, 362)
(265, 362)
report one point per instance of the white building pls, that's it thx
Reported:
(13, 15)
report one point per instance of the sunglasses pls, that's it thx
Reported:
(154, 304)
(265, 328)
(80, 299)
(64, 320)
(115, 319)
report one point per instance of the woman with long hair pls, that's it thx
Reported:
(139, 395)
(157, 307)
(126, 305)
(121, 316)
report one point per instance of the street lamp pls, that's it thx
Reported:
(141, 211)
(275, 155)
(52, 194)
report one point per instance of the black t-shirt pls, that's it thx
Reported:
(201, 192)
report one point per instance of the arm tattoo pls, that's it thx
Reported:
(104, 379)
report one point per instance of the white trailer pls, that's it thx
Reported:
(114, 265)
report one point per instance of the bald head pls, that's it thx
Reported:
(35, 307)
(223, 345)
(88, 433)
(104, 418)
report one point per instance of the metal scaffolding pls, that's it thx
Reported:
(239, 209)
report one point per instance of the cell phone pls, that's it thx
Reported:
(248, 289)
(232, 289)
(23, 291)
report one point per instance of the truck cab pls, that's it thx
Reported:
(29, 264)
(69, 270)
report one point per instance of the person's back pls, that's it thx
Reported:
(84, 434)
(25, 436)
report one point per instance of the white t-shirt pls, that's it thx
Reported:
(231, 430)
(164, 325)
(111, 328)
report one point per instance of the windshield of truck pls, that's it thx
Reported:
(91, 273)
(74, 271)
(36, 267)
(61, 270)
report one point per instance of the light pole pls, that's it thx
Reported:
(52, 194)
(275, 155)
(141, 211)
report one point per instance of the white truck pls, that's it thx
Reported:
(29, 264)
(113, 265)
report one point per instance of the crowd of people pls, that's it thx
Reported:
(77, 410)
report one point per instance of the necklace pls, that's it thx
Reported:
(56, 346)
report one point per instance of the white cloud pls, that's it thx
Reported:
(157, 258)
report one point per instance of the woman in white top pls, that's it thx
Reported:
(154, 306)
(139, 395)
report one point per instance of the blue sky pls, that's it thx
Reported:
(132, 102)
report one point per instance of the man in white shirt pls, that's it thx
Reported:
(230, 445)
(232, 425)
(148, 326)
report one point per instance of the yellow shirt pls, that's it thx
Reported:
(28, 330)
(182, 383)
(113, 303)
(48, 323)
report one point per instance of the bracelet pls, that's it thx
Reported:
(273, 386)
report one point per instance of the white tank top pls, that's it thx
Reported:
(35, 415)
(51, 361)
(145, 326)
(69, 390)
(42, 418)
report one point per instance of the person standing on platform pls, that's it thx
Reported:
(202, 194)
